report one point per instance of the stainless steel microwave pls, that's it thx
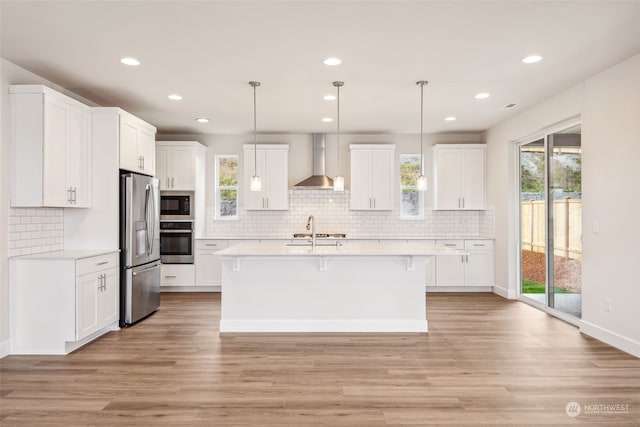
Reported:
(176, 206)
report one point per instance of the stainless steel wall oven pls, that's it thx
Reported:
(176, 242)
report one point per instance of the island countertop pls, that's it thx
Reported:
(336, 249)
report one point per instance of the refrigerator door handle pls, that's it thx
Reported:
(146, 218)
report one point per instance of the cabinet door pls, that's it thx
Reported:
(55, 190)
(479, 268)
(110, 297)
(360, 194)
(382, 179)
(446, 191)
(129, 157)
(162, 167)
(208, 268)
(450, 268)
(183, 173)
(87, 304)
(147, 150)
(254, 200)
(79, 164)
(276, 179)
(472, 178)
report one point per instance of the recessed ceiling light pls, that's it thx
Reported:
(130, 61)
(332, 61)
(202, 120)
(327, 119)
(175, 97)
(329, 97)
(450, 118)
(482, 95)
(532, 59)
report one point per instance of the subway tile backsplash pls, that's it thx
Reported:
(332, 215)
(35, 230)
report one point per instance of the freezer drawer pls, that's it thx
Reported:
(141, 291)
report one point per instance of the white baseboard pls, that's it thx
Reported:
(505, 293)
(5, 348)
(212, 288)
(322, 325)
(458, 288)
(612, 338)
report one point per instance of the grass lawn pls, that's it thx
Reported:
(531, 287)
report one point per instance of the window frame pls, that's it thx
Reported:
(421, 194)
(218, 188)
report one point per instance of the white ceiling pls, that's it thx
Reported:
(208, 51)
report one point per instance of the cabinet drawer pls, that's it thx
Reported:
(213, 245)
(97, 263)
(178, 275)
(478, 244)
(453, 244)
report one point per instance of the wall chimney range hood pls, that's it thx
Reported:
(318, 180)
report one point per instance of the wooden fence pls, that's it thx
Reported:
(567, 224)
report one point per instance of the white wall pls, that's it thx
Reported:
(609, 105)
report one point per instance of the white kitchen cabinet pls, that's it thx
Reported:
(271, 164)
(137, 141)
(207, 262)
(178, 164)
(51, 146)
(177, 275)
(62, 300)
(479, 263)
(474, 269)
(372, 177)
(459, 176)
(97, 303)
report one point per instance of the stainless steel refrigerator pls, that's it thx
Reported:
(139, 247)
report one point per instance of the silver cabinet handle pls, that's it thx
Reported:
(267, 203)
(374, 203)
(170, 277)
(75, 198)
(450, 244)
(463, 202)
(69, 194)
(172, 182)
(102, 263)
(210, 244)
(168, 183)
(142, 157)
(467, 258)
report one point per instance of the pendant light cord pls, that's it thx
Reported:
(421, 118)
(338, 134)
(255, 147)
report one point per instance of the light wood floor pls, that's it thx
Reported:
(486, 361)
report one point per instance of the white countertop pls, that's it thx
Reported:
(67, 254)
(347, 249)
(348, 238)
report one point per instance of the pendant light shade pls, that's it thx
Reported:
(338, 181)
(256, 182)
(421, 181)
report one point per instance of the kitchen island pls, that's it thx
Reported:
(332, 287)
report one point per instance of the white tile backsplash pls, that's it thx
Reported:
(332, 215)
(35, 230)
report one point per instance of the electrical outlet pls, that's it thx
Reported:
(607, 305)
(596, 227)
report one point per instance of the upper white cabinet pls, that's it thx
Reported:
(272, 166)
(51, 146)
(177, 164)
(372, 177)
(137, 144)
(459, 176)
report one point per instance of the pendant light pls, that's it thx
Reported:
(338, 181)
(421, 181)
(256, 183)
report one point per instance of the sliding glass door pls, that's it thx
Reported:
(550, 187)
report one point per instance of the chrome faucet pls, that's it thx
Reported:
(311, 225)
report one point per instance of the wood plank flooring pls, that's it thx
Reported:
(486, 360)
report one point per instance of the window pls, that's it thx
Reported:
(412, 202)
(226, 195)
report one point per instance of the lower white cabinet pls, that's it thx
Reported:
(208, 266)
(61, 300)
(474, 269)
(177, 275)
